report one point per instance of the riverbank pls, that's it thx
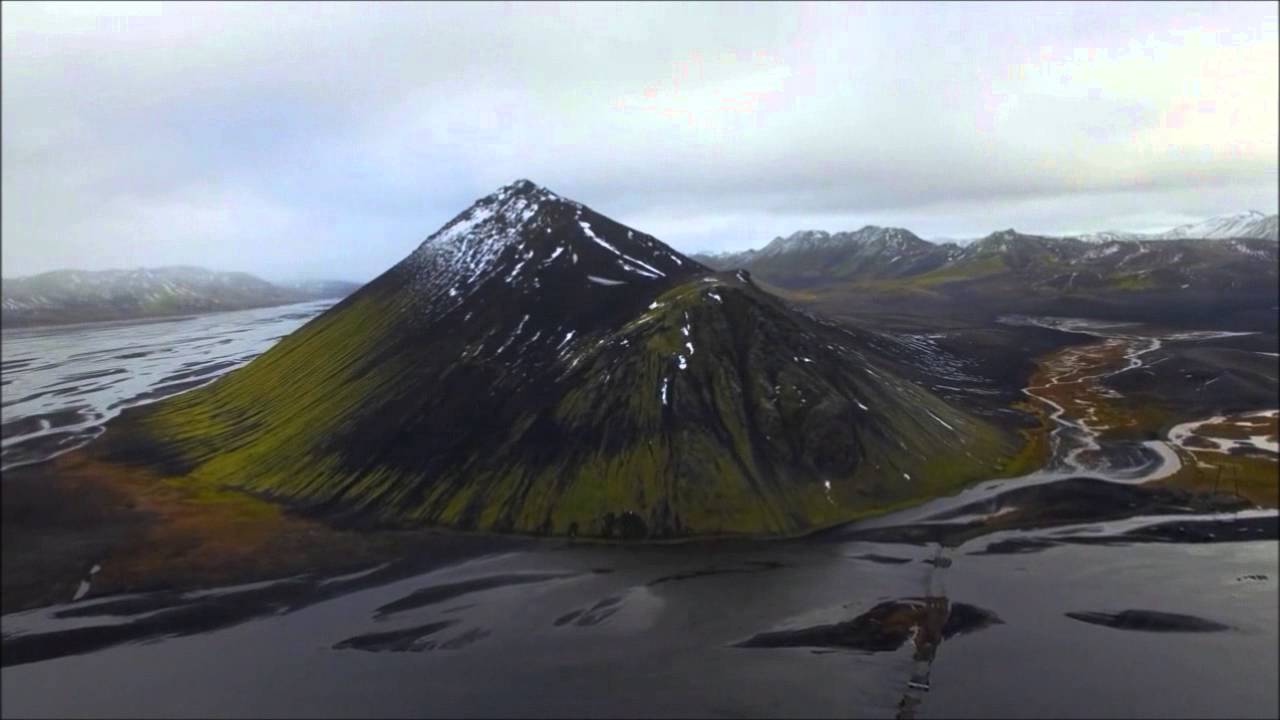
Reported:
(1101, 429)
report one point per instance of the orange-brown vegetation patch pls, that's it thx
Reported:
(1072, 379)
(148, 532)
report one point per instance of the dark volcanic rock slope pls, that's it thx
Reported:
(537, 367)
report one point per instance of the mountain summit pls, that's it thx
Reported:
(1248, 224)
(537, 367)
(870, 252)
(523, 233)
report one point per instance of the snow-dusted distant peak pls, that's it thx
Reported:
(1109, 236)
(995, 242)
(797, 241)
(725, 254)
(868, 236)
(887, 237)
(1248, 224)
(957, 242)
(1243, 225)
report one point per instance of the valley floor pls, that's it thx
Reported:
(1235, 452)
(947, 608)
(143, 532)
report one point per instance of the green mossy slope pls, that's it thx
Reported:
(763, 429)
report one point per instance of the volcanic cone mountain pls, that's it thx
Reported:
(537, 367)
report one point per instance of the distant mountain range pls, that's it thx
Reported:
(811, 256)
(1246, 225)
(537, 367)
(1186, 280)
(75, 296)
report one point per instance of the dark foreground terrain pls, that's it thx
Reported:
(1153, 615)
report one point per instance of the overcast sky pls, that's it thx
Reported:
(328, 140)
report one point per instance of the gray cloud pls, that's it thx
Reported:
(328, 139)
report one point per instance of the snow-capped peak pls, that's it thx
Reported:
(868, 235)
(488, 226)
(526, 187)
(1107, 236)
(1248, 224)
(523, 235)
(727, 254)
(799, 240)
(889, 237)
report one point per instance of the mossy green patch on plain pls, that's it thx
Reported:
(1131, 281)
(978, 267)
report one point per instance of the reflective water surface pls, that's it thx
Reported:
(61, 384)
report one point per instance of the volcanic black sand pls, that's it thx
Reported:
(812, 627)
